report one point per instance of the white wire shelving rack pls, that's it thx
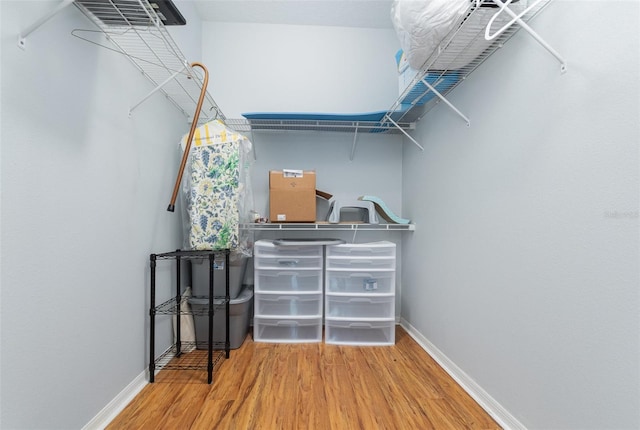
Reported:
(134, 29)
(382, 126)
(353, 227)
(472, 30)
(137, 32)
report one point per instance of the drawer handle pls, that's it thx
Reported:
(290, 263)
(360, 300)
(360, 324)
(287, 323)
(278, 274)
(360, 275)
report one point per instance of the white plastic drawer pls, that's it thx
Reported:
(360, 307)
(373, 263)
(292, 262)
(375, 249)
(266, 248)
(288, 281)
(360, 332)
(288, 304)
(292, 330)
(361, 282)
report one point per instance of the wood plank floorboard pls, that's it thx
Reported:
(312, 386)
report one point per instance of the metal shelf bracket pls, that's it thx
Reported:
(518, 18)
(22, 37)
(353, 145)
(156, 89)
(395, 124)
(444, 99)
(134, 29)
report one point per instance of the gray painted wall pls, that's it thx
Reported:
(524, 267)
(296, 68)
(291, 68)
(84, 197)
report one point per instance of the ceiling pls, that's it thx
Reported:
(342, 13)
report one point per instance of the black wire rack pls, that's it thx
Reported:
(189, 355)
(195, 359)
(170, 307)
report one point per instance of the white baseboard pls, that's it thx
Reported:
(488, 403)
(115, 406)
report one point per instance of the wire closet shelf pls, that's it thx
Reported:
(458, 44)
(354, 227)
(456, 54)
(262, 125)
(135, 29)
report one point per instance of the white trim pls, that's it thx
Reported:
(488, 403)
(115, 406)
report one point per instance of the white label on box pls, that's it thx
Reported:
(218, 264)
(281, 217)
(290, 173)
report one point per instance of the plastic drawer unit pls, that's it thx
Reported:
(360, 294)
(349, 282)
(298, 281)
(278, 305)
(287, 330)
(359, 307)
(350, 332)
(288, 303)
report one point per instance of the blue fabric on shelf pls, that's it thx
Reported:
(264, 119)
(315, 116)
(444, 82)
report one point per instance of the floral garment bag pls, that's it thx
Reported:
(213, 189)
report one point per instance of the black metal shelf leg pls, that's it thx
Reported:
(178, 307)
(152, 319)
(227, 344)
(210, 343)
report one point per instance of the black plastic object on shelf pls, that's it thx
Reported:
(134, 12)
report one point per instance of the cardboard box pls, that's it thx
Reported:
(292, 196)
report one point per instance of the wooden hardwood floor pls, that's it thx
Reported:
(309, 386)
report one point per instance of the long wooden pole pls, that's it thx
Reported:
(194, 124)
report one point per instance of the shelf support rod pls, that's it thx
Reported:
(444, 99)
(353, 145)
(156, 89)
(388, 118)
(253, 145)
(33, 27)
(524, 25)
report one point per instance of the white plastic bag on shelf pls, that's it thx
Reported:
(216, 189)
(422, 24)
